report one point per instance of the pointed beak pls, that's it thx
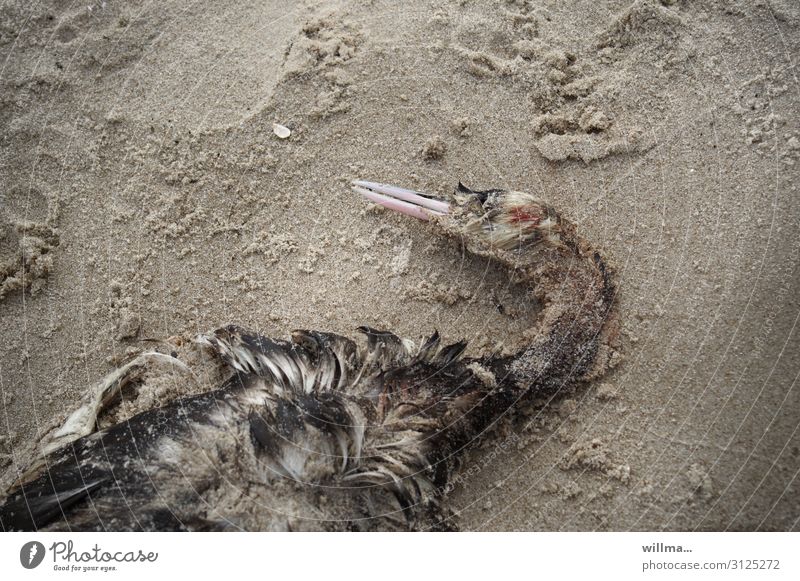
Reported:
(409, 202)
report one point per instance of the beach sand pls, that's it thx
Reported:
(144, 194)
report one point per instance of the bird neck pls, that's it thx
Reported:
(573, 340)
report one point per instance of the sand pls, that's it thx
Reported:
(144, 194)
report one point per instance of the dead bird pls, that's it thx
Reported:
(321, 432)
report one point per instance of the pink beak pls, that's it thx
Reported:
(416, 204)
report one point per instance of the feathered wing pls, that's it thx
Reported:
(115, 478)
(281, 407)
(317, 409)
(384, 403)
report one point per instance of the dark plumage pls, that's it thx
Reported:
(321, 432)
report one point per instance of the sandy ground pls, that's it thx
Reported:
(144, 194)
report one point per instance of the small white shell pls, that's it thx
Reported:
(281, 131)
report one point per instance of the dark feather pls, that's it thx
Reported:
(449, 354)
(39, 503)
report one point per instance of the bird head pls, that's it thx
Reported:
(495, 219)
